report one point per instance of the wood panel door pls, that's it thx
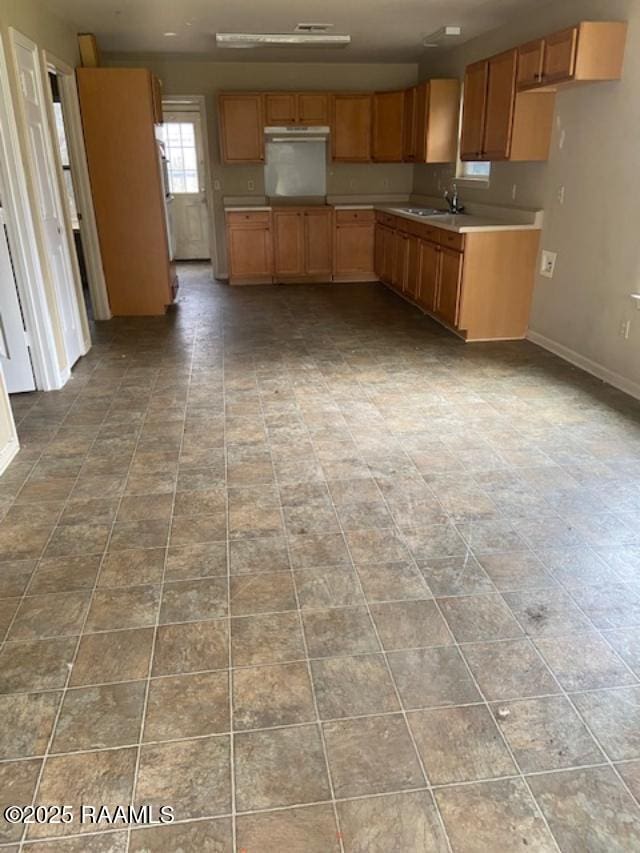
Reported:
(313, 108)
(388, 254)
(410, 129)
(250, 252)
(449, 280)
(474, 111)
(560, 56)
(501, 93)
(318, 242)
(412, 281)
(388, 121)
(288, 243)
(280, 108)
(351, 127)
(530, 60)
(400, 260)
(241, 127)
(429, 265)
(354, 250)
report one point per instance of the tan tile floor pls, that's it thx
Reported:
(301, 565)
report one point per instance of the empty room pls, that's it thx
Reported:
(319, 426)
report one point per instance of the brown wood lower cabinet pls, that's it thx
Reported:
(303, 241)
(353, 253)
(478, 284)
(249, 247)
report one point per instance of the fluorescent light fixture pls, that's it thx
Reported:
(281, 40)
(442, 35)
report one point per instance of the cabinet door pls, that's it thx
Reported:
(351, 128)
(473, 111)
(501, 95)
(355, 250)
(560, 56)
(421, 122)
(156, 93)
(400, 260)
(388, 119)
(378, 250)
(428, 279)
(250, 252)
(313, 108)
(530, 57)
(409, 143)
(389, 249)
(280, 108)
(288, 234)
(318, 233)
(412, 281)
(242, 127)
(449, 279)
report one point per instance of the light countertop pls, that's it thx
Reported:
(464, 223)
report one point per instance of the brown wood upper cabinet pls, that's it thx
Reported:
(592, 50)
(241, 127)
(499, 123)
(388, 121)
(351, 127)
(500, 103)
(410, 125)
(430, 122)
(291, 108)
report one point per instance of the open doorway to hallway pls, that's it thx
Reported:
(183, 136)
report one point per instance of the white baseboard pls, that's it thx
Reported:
(7, 454)
(592, 367)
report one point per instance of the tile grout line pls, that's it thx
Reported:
(318, 721)
(147, 688)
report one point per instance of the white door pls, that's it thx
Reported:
(182, 136)
(42, 165)
(14, 353)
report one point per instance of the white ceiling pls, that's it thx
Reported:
(381, 30)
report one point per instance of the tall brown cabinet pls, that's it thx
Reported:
(120, 108)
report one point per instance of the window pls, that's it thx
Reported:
(180, 147)
(474, 170)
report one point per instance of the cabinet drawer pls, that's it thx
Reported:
(451, 239)
(346, 216)
(388, 220)
(237, 217)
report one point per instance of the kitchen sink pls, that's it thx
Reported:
(423, 211)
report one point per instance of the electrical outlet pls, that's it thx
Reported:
(514, 191)
(352, 184)
(560, 195)
(385, 183)
(548, 264)
(251, 185)
(217, 186)
(562, 139)
(625, 328)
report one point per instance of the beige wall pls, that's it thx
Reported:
(33, 19)
(595, 233)
(197, 77)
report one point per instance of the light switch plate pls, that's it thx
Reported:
(548, 264)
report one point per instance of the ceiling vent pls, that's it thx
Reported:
(313, 28)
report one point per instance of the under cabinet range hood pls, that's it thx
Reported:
(296, 133)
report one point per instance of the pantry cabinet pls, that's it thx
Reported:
(241, 117)
(388, 122)
(351, 127)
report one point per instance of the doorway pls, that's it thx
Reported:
(184, 145)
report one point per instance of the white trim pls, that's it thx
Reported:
(8, 453)
(22, 236)
(593, 367)
(81, 184)
(177, 103)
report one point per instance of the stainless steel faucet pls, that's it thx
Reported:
(453, 201)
